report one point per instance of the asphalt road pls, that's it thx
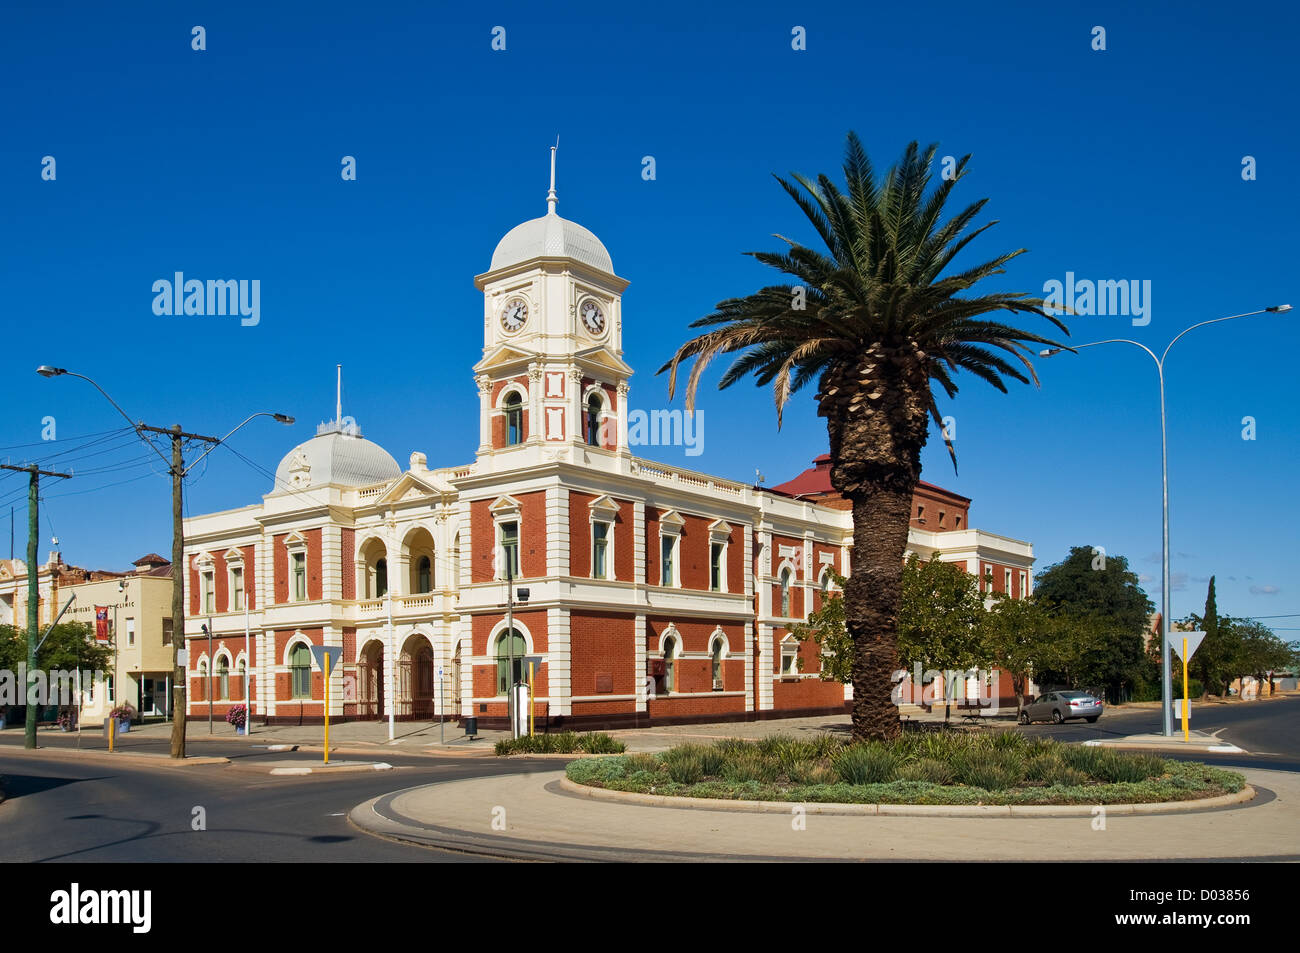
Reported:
(76, 809)
(68, 808)
(1266, 730)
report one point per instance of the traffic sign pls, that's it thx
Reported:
(1193, 643)
(322, 652)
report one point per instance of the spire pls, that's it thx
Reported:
(551, 198)
(338, 424)
(338, 403)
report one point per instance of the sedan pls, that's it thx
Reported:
(1062, 706)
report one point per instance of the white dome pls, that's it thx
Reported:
(334, 458)
(551, 237)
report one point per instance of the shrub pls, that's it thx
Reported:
(686, 768)
(600, 743)
(750, 765)
(866, 764)
(928, 770)
(1119, 767)
(990, 769)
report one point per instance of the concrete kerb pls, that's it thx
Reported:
(130, 757)
(1246, 794)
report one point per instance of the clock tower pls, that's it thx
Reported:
(552, 381)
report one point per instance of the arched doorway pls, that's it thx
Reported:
(417, 679)
(370, 681)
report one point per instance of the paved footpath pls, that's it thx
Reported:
(543, 821)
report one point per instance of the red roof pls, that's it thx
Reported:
(817, 482)
(151, 559)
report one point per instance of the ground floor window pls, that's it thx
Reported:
(300, 671)
(504, 651)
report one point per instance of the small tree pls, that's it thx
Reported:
(940, 623)
(1023, 638)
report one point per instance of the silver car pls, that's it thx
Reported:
(1062, 706)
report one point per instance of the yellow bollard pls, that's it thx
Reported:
(327, 708)
(112, 732)
(1185, 731)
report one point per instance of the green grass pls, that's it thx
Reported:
(939, 768)
(562, 742)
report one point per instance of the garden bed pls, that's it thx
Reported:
(562, 742)
(952, 768)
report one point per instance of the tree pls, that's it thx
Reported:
(941, 623)
(69, 646)
(1108, 612)
(1255, 650)
(1023, 638)
(940, 620)
(875, 320)
(1208, 662)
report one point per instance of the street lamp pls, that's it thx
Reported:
(1166, 679)
(176, 467)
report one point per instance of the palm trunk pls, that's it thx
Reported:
(872, 596)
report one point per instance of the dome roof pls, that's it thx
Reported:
(335, 457)
(551, 237)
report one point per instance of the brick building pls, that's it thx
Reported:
(654, 593)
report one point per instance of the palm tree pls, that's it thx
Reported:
(873, 320)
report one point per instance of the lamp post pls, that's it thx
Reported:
(177, 469)
(1166, 678)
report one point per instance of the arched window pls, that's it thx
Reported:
(504, 652)
(786, 577)
(300, 671)
(514, 408)
(223, 677)
(424, 575)
(715, 655)
(670, 651)
(593, 421)
(243, 679)
(381, 578)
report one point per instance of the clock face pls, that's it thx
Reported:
(515, 314)
(592, 317)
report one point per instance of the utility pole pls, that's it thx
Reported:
(179, 682)
(33, 590)
(177, 469)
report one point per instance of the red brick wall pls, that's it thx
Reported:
(485, 675)
(349, 563)
(678, 707)
(532, 537)
(603, 643)
(280, 564)
(651, 546)
(313, 537)
(580, 537)
(499, 420)
(955, 509)
(250, 577)
(806, 693)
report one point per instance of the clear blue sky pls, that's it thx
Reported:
(1122, 164)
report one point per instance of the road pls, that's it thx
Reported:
(1266, 730)
(69, 808)
(78, 809)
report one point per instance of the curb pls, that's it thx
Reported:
(140, 758)
(1173, 748)
(905, 810)
(331, 769)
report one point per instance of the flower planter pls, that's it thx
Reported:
(123, 726)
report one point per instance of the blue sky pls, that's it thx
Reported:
(1116, 164)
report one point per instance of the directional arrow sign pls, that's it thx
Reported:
(322, 652)
(1193, 643)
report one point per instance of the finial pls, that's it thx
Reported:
(338, 403)
(551, 198)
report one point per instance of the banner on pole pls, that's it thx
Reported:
(101, 624)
